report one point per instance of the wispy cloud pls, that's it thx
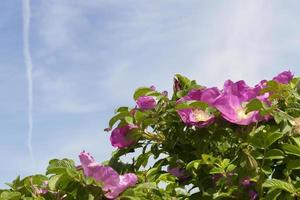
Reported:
(29, 68)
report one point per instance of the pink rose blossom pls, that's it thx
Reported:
(232, 110)
(207, 95)
(195, 117)
(198, 117)
(146, 102)
(119, 136)
(113, 183)
(284, 77)
(239, 89)
(126, 181)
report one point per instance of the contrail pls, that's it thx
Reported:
(29, 67)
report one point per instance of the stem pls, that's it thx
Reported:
(261, 173)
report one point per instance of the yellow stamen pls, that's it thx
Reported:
(200, 115)
(241, 113)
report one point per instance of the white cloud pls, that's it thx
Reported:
(238, 44)
(59, 93)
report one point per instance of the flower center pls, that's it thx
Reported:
(241, 113)
(200, 115)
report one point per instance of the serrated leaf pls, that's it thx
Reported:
(53, 182)
(59, 166)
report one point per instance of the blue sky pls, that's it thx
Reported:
(89, 56)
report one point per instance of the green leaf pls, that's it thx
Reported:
(134, 134)
(183, 81)
(273, 194)
(264, 139)
(129, 120)
(191, 104)
(291, 149)
(142, 91)
(293, 164)
(193, 165)
(216, 170)
(271, 138)
(59, 182)
(142, 160)
(278, 184)
(296, 140)
(153, 172)
(10, 195)
(59, 166)
(167, 178)
(230, 168)
(253, 105)
(274, 154)
(53, 181)
(294, 83)
(117, 117)
(140, 116)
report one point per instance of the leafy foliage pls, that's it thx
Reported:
(176, 160)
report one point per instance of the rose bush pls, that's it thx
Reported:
(235, 142)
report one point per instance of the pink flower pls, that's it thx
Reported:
(284, 77)
(198, 117)
(235, 96)
(126, 181)
(207, 95)
(119, 136)
(105, 174)
(195, 117)
(232, 110)
(146, 102)
(113, 183)
(86, 163)
(239, 89)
